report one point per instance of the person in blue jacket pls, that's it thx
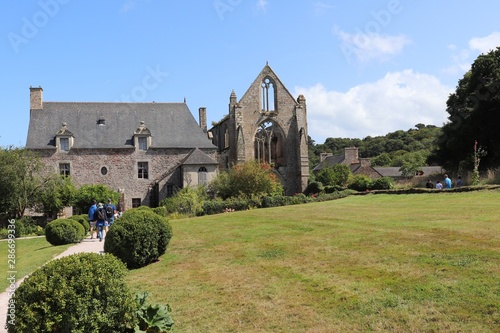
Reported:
(447, 181)
(92, 212)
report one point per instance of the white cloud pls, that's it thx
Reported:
(398, 101)
(320, 7)
(463, 58)
(485, 44)
(365, 47)
(262, 5)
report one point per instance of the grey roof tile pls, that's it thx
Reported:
(171, 124)
(197, 157)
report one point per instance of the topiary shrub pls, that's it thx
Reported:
(314, 188)
(383, 183)
(162, 211)
(360, 183)
(64, 231)
(138, 238)
(83, 219)
(85, 292)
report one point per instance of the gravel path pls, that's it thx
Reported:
(87, 245)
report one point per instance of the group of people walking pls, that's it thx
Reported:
(101, 218)
(446, 184)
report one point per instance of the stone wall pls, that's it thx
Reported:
(118, 169)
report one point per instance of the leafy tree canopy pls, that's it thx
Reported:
(474, 115)
(392, 149)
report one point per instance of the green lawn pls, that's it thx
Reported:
(375, 263)
(30, 253)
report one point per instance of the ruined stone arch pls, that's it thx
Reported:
(269, 140)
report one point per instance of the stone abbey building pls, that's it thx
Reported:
(267, 124)
(148, 150)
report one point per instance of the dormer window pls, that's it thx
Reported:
(64, 139)
(64, 144)
(101, 121)
(142, 143)
(142, 137)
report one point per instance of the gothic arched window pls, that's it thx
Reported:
(202, 176)
(268, 95)
(268, 144)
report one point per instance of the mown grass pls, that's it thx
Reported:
(30, 254)
(375, 263)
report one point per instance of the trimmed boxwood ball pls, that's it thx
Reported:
(85, 292)
(83, 219)
(138, 238)
(64, 231)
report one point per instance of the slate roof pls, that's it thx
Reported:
(171, 125)
(197, 157)
(394, 171)
(329, 161)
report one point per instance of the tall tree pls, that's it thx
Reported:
(20, 180)
(474, 110)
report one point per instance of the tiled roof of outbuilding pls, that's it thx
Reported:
(171, 125)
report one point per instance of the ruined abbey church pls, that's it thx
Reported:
(267, 124)
(147, 151)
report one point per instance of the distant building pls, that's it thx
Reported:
(144, 150)
(269, 125)
(363, 165)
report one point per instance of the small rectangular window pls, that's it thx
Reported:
(142, 170)
(64, 144)
(170, 190)
(136, 202)
(64, 169)
(143, 143)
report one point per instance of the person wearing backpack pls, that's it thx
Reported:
(100, 220)
(110, 214)
(92, 217)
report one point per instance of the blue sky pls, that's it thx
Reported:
(365, 67)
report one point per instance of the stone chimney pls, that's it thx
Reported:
(36, 98)
(203, 118)
(351, 155)
(365, 162)
(323, 156)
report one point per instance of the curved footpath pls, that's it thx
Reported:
(87, 245)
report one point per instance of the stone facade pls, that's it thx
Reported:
(267, 124)
(143, 150)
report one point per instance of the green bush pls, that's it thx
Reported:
(333, 189)
(83, 219)
(188, 200)
(276, 201)
(360, 183)
(332, 196)
(218, 206)
(64, 231)
(27, 226)
(138, 238)
(162, 211)
(85, 292)
(314, 188)
(383, 183)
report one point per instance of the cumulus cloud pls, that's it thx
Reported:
(485, 44)
(364, 47)
(461, 59)
(398, 101)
